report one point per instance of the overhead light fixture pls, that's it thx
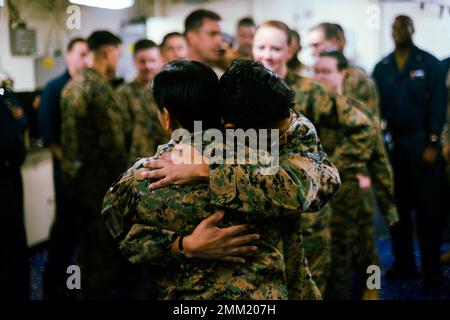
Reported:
(105, 4)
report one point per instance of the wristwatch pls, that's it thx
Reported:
(180, 245)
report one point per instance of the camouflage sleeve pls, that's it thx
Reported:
(111, 136)
(363, 88)
(125, 105)
(139, 242)
(355, 148)
(383, 181)
(244, 188)
(373, 100)
(72, 102)
(304, 180)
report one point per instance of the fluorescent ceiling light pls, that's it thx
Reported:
(106, 4)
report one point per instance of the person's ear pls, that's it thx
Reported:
(105, 51)
(166, 120)
(190, 37)
(169, 123)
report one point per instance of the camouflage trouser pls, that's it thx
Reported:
(365, 249)
(301, 284)
(317, 244)
(344, 226)
(105, 272)
(382, 181)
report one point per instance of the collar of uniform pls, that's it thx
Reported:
(137, 85)
(94, 75)
(291, 78)
(66, 75)
(416, 54)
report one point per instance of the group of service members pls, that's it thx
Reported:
(96, 131)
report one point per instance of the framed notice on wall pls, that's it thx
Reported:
(23, 41)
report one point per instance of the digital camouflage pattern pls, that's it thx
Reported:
(143, 129)
(345, 132)
(94, 155)
(347, 135)
(144, 223)
(231, 186)
(358, 85)
(317, 242)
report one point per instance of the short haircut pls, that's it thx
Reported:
(280, 26)
(330, 30)
(189, 91)
(340, 30)
(246, 22)
(252, 96)
(101, 38)
(195, 19)
(143, 44)
(168, 36)
(341, 60)
(406, 19)
(73, 42)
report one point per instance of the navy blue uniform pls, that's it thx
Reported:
(413, 102)
(49, 111)
(14, 266)
(63, 233)
(446, 65)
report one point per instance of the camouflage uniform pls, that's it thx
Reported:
(346, 134)
(94, 154)
(144, 222)
(359, 86)
(143, 130)
(287, 156)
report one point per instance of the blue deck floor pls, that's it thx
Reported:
(411, 289)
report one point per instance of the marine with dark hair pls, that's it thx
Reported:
(174, 47)
(63, 236)
(329, 37)
(204, 37)
(346, 135)
(245, 32)
(331, 68)
(143, 133)
(176, 240)
(259, 99)
(326, 36)
(93, 155)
